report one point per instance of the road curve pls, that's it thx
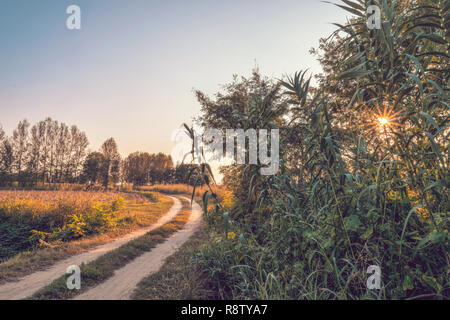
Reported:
(122, 284)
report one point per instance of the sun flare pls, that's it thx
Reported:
(383, 120)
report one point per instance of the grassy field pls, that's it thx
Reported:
(180, 189)
(41, 227)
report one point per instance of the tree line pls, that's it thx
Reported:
(53, 152)
(49, 151)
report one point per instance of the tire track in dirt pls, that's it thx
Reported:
(122, 284)
(29, 284)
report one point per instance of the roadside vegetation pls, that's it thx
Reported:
(363, 178)
(179, 278)
(39, 228)
(184, 189)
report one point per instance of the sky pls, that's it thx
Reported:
(130, 72)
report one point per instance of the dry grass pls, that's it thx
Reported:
(56, 197)
(57, 205)
(174, 189)
(68, 187)
(183, 189)
(136, 214)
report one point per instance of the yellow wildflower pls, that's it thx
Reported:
(231, 235)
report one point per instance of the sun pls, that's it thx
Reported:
(384, 120)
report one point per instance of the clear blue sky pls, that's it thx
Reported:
(129, 73)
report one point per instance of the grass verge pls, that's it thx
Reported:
(103, 268)
(179, 278)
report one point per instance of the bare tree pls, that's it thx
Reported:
(48, 152)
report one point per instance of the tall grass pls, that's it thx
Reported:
(379, 198)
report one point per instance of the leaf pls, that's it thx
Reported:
(353, 5)
(368, 233)
(431, 120)
(434, 84)
(208, 167)
(351, 10)
(431, 281)
(435, 38)
(417, 63)
(439, 183)
(422, 243)
(407, 284)
(434, 146)
(438, 237)
(242, 239)
(206, 197)
(354, 74)
(352, 222)
(353, 58)
(417, 206)
(418, 82)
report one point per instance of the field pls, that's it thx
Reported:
(175, 189)
(33, 219)
(185, 189)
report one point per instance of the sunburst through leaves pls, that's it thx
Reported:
(384, 120)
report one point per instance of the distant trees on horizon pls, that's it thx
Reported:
(49, 151)
(142, 168)
(52, 152)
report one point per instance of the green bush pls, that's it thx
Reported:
(14, 238)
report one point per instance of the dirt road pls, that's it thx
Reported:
(124, 281)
